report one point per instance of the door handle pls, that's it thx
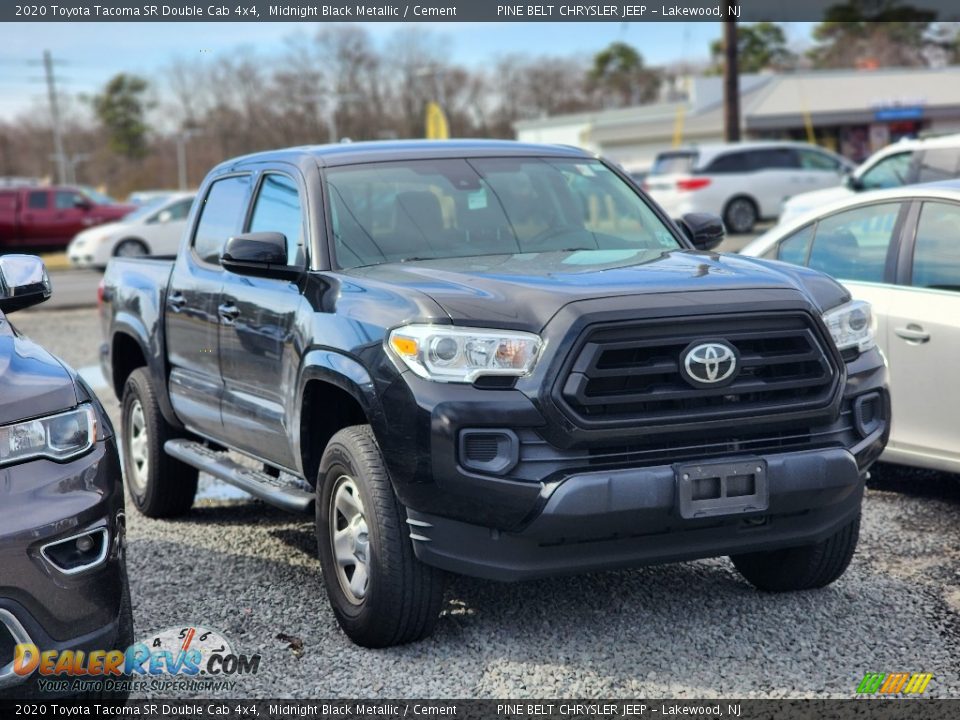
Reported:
(228, 313)
(176, 301)
(913, 334)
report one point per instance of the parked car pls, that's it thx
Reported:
(63, 576)
(900, 250)
(742, 182)
(48, 217)
(495, 359)
(903, 163)
(154, 229)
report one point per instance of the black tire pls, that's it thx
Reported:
(801, 568)
(165, 487)
(401, 599)
(740, 215)
(131, 247)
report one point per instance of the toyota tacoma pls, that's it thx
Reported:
(495, 359)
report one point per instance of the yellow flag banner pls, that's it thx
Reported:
(437, 128)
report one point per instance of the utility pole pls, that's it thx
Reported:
(58, 151)
(731, 82)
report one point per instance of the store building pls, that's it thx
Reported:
(854, 112)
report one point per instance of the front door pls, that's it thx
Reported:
(259, 347)
(193, 296)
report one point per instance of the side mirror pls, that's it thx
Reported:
(260, 254)
(704, 230)
(853, 182)
(82, 203)
(23, 282)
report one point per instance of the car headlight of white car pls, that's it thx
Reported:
(451, 354)
(56, 437)
(851, 325)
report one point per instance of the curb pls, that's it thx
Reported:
(56, 261)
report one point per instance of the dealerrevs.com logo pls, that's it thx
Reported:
(190, 658)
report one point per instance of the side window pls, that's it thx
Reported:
(735, 162)
(795, 248)
(892, 171)
(221, 216)
(277, 209)
(37, 200)
(66, 200)
(813, 160)
(180, 210)
(773, 159)
(853, 244)
(939, 164)
(936, 255)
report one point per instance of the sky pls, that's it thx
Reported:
(88, 54)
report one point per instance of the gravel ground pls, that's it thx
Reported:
(690, 630)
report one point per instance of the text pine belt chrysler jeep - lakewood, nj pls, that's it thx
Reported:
(493, 359)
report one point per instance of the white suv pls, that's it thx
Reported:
(903, 163)
(741, 182)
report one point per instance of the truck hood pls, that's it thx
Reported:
(525, 291)
(32, 381)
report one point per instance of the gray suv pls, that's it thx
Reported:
(63, 578)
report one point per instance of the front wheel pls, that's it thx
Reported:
(131, 248)
(801, 568)
(380, 593)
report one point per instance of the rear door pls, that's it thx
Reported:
(923, 344)
(259, 354)
(193, 296)
(775, 175)
(36, 223)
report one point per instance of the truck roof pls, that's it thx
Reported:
(382, 150)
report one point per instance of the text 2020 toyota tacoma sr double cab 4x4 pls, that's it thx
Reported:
(494, 359)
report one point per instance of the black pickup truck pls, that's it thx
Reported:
(494, 359)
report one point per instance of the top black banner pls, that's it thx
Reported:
(476, 11)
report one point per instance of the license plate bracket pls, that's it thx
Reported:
(710, 489)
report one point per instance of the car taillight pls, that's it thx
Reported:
(693, 183)
(100, 290)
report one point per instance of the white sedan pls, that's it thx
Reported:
(899, 250)
(154, 229)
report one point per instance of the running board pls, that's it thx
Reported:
(271, 490)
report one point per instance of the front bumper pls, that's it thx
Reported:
(59, 606)
(604, 520)
(603, 504)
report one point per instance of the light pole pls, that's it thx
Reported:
(182, 138)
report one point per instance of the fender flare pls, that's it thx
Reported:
(345, 373)
(125, 323)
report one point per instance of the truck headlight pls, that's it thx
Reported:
(851, 325)
(57, 437)
(450, 354)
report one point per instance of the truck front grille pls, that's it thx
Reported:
(632, 373)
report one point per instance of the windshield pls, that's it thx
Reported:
(147, 209)
(96, 197)
(423, 209)
(674, 163)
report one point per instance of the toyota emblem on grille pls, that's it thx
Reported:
(709, 363)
